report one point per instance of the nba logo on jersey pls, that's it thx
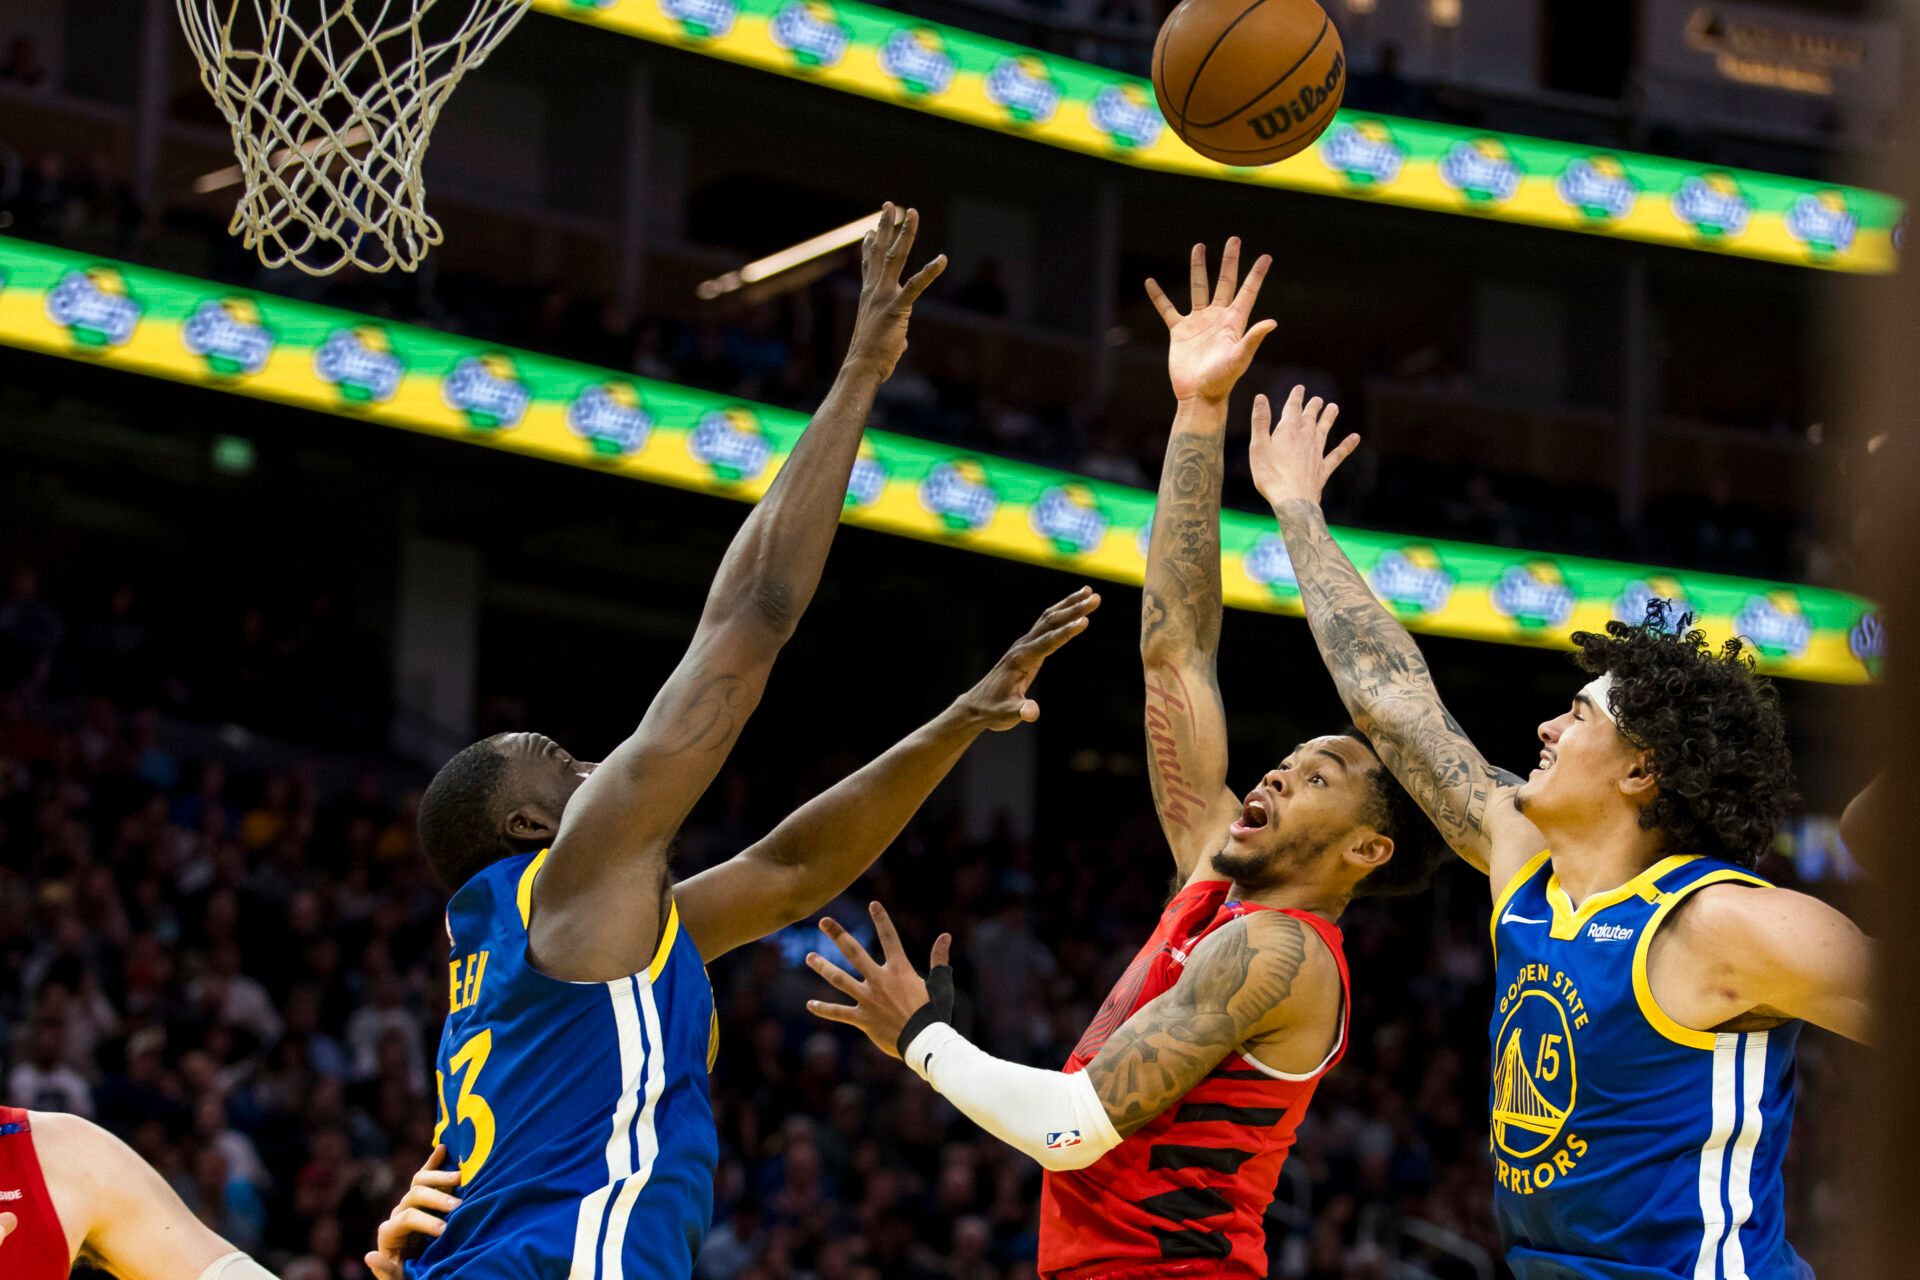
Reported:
(1061, 1141)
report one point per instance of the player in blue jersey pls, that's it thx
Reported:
(1649, 987)
(572, 1068)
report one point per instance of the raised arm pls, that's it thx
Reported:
(811, 857)
(599, 900)
(1377, 667)
(1207, 351)
(1249, 979)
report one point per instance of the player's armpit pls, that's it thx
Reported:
(1771, 953)
(1236, 985)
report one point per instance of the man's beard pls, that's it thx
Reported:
(1259, 870)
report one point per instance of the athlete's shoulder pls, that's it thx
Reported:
(496, 894)
(82, 1163)
(1255, 964)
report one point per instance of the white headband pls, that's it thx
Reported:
(1599, 692)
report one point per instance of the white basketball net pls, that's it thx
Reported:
(331, 104)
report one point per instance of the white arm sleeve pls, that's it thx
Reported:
(235, 1266)
(1052, 1116)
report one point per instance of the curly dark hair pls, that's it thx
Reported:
(1714, 730)
(1417, 847)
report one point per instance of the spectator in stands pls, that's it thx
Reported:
(30, 631)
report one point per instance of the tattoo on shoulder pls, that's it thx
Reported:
(1234, 980)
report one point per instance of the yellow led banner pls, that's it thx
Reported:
(295, 353)
(889, 56)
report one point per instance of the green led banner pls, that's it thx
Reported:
(945, 71)
(85, 309)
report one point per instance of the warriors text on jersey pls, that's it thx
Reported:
(36, 1249)
(577, 1111)
(1186, 1195)
(1626, 1146)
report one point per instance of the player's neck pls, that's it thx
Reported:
(1320, 900)
(1598, 854)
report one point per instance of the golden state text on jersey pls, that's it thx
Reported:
(578, 1112)
(1626, 1146)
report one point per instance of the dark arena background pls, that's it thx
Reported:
(243, 623)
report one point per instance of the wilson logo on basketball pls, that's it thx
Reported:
(1269, 125)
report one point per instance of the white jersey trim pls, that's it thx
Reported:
(1753, 1071)
(639, 1067)
(1713, 1218)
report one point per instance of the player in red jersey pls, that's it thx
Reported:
(1164, 1135)
(71, 1190)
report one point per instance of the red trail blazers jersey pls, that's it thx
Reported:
(1187, 1195)
(36, 1249)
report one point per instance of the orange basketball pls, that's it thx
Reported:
(1248, 82)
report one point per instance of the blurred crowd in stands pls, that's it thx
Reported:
(230, 957)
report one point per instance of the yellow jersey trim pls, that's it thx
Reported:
(1567, 922)
(1505, 895)
(667, 937)
(1643, 987)
(524, 895)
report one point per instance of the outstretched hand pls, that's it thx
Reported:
(1210, 347)
(1290, 461)
(887, 993)
(1000, 700)
(419, 1217)
(880, 326)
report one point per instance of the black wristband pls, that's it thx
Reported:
(938, 1008)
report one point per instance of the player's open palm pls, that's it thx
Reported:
(1000, 700)
(886, 993)
(1289, 459)
(886, 302)
(1211, 346)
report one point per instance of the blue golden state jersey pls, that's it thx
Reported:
(1626, 1146)
(577, 1111)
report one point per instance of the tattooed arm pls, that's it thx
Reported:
(599, 901)
(1382, 678)
(1208, 349)
(1254, 983)
(1246, 981)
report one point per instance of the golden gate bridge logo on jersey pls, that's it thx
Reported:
(359, 363)
(868, 480)
(610, 417)
(1413, 580)
(1070, 517)
(488, 390)
(1482, 170)
(1533, 595)
(1713, 205)
(1775, 624)
(1535, 1078)
(1821, 221)
(94, 307)
(702, 19)
(227, 333)
(1364, 153)
(1598, 186)
(731, 443)
(919, 60)
(1127, 115)
(811, 31)
(1268, 564)
(1025, 87)
(959, 493)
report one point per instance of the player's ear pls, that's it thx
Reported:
(532, 823)
(1369, 851)
(1639, 782)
